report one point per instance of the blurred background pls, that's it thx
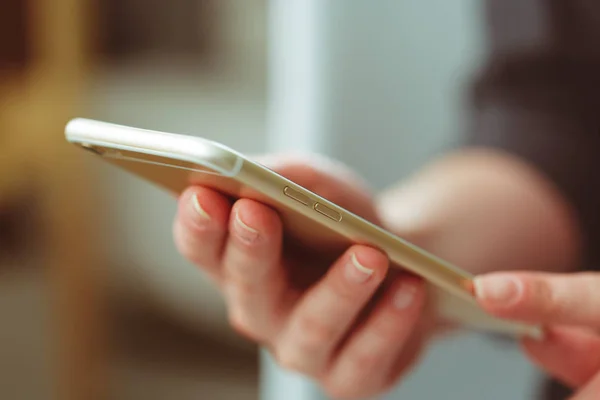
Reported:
(95, 301)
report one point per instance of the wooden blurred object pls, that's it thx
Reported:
(14, 35)
(133, 27)
(180, 30)
(36, 100)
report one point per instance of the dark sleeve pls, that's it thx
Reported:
(538, 97)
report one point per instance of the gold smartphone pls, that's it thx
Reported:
(175, 162)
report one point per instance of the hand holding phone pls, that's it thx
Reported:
(300, 257)
(348, 320)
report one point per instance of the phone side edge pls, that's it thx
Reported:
(207, 153)
(433, 269)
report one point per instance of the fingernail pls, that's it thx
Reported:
(356, 272)
(198, 208)
(404, 296)
(499, 290)
(246, 232)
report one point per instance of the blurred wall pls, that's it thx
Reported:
(397, 72)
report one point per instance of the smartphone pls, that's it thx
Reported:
(174, 162)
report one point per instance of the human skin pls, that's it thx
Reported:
(479, 209)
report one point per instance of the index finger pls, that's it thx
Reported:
(542, 298)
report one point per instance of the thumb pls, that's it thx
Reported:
(541, 298)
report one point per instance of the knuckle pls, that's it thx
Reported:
(362, 361)
(541, 299)
(301, 353)
(551, 308)
(347, 295)
(350, 387)
(246, 246)
(287, 358)
(390, 331)
(248, 269)
(241, 325)
(386, 330)
(248, 275)
(339, 391)
(292, 358)
(240, 288)
(356, 378)
(315, 332)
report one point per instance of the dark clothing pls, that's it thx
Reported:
(538, 97)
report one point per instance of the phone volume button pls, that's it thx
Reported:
(296, 195)
(328, 212)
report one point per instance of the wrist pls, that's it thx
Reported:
(483, 211)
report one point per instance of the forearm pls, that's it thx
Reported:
(484, 211)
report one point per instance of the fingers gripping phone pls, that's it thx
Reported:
(174, 162)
